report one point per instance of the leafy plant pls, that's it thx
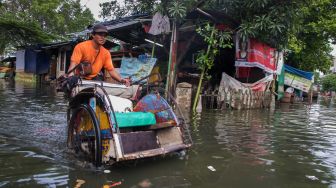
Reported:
(37, 21)
(329, 82)
(205, 60)
(177, 9)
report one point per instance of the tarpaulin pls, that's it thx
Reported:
(231, 83)
(136, 68)
(253, 53)
(301, 73)
(243, 72)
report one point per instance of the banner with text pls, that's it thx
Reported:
(297, 82)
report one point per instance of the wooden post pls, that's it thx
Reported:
(311, 95)
(172, 60)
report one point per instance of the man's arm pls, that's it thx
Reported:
(76, 58)
(115, 75)
(72, 66)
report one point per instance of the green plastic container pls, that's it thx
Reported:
(135, 119)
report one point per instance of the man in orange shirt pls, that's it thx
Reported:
(93, 52)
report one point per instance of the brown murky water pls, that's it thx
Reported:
(290, 146)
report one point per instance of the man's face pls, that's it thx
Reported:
(99, 37)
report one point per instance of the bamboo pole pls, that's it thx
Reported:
(198, 91)
(202, 75)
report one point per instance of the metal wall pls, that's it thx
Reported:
(36, 62)
(20, 61)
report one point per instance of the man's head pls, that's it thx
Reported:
(99, 33)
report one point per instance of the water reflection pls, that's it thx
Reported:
(291, 146)
(26, 166)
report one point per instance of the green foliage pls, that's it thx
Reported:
(120, 8)
(317, 78)
(270, 21)
(310, 48)
(215, 39)
(177, 9)
(305, 28)
(37, 21)
(313, 54)
(116, 9)
(329, 82)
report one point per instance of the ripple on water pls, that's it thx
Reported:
(291, 146)
(302, 139)
(28, 166)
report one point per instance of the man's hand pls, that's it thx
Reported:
(126, 81)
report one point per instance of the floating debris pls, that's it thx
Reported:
(211, 168)
(112, 185)
(145, 183)
(314, 178)
(107, 171)
(79, 183)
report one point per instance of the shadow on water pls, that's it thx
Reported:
(291, 146)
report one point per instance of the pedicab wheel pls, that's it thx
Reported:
(84, 134)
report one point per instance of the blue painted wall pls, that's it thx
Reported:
(20, 60)
(36, 61)
(42, 63)
(30, 61)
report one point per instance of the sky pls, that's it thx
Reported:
(93, 5)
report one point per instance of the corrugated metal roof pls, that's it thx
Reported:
(128, 29)
(56, 45)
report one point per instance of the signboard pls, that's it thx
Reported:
(252, 53)
(297, 82)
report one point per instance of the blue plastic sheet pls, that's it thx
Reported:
(137, 68)
(304, 74)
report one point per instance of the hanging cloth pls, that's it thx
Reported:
(160, 24)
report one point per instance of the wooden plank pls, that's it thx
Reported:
(138, 141)
(161, 126)
(154, 152)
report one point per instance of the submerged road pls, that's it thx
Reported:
(290, 146)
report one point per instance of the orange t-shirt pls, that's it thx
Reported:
(85, 51)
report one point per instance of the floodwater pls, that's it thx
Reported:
(289, 146)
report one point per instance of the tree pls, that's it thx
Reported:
(310, 48)
(329, 82)
(40, 20)
(302, 27)
(215, 39)
(116, 9)
(21, 33)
